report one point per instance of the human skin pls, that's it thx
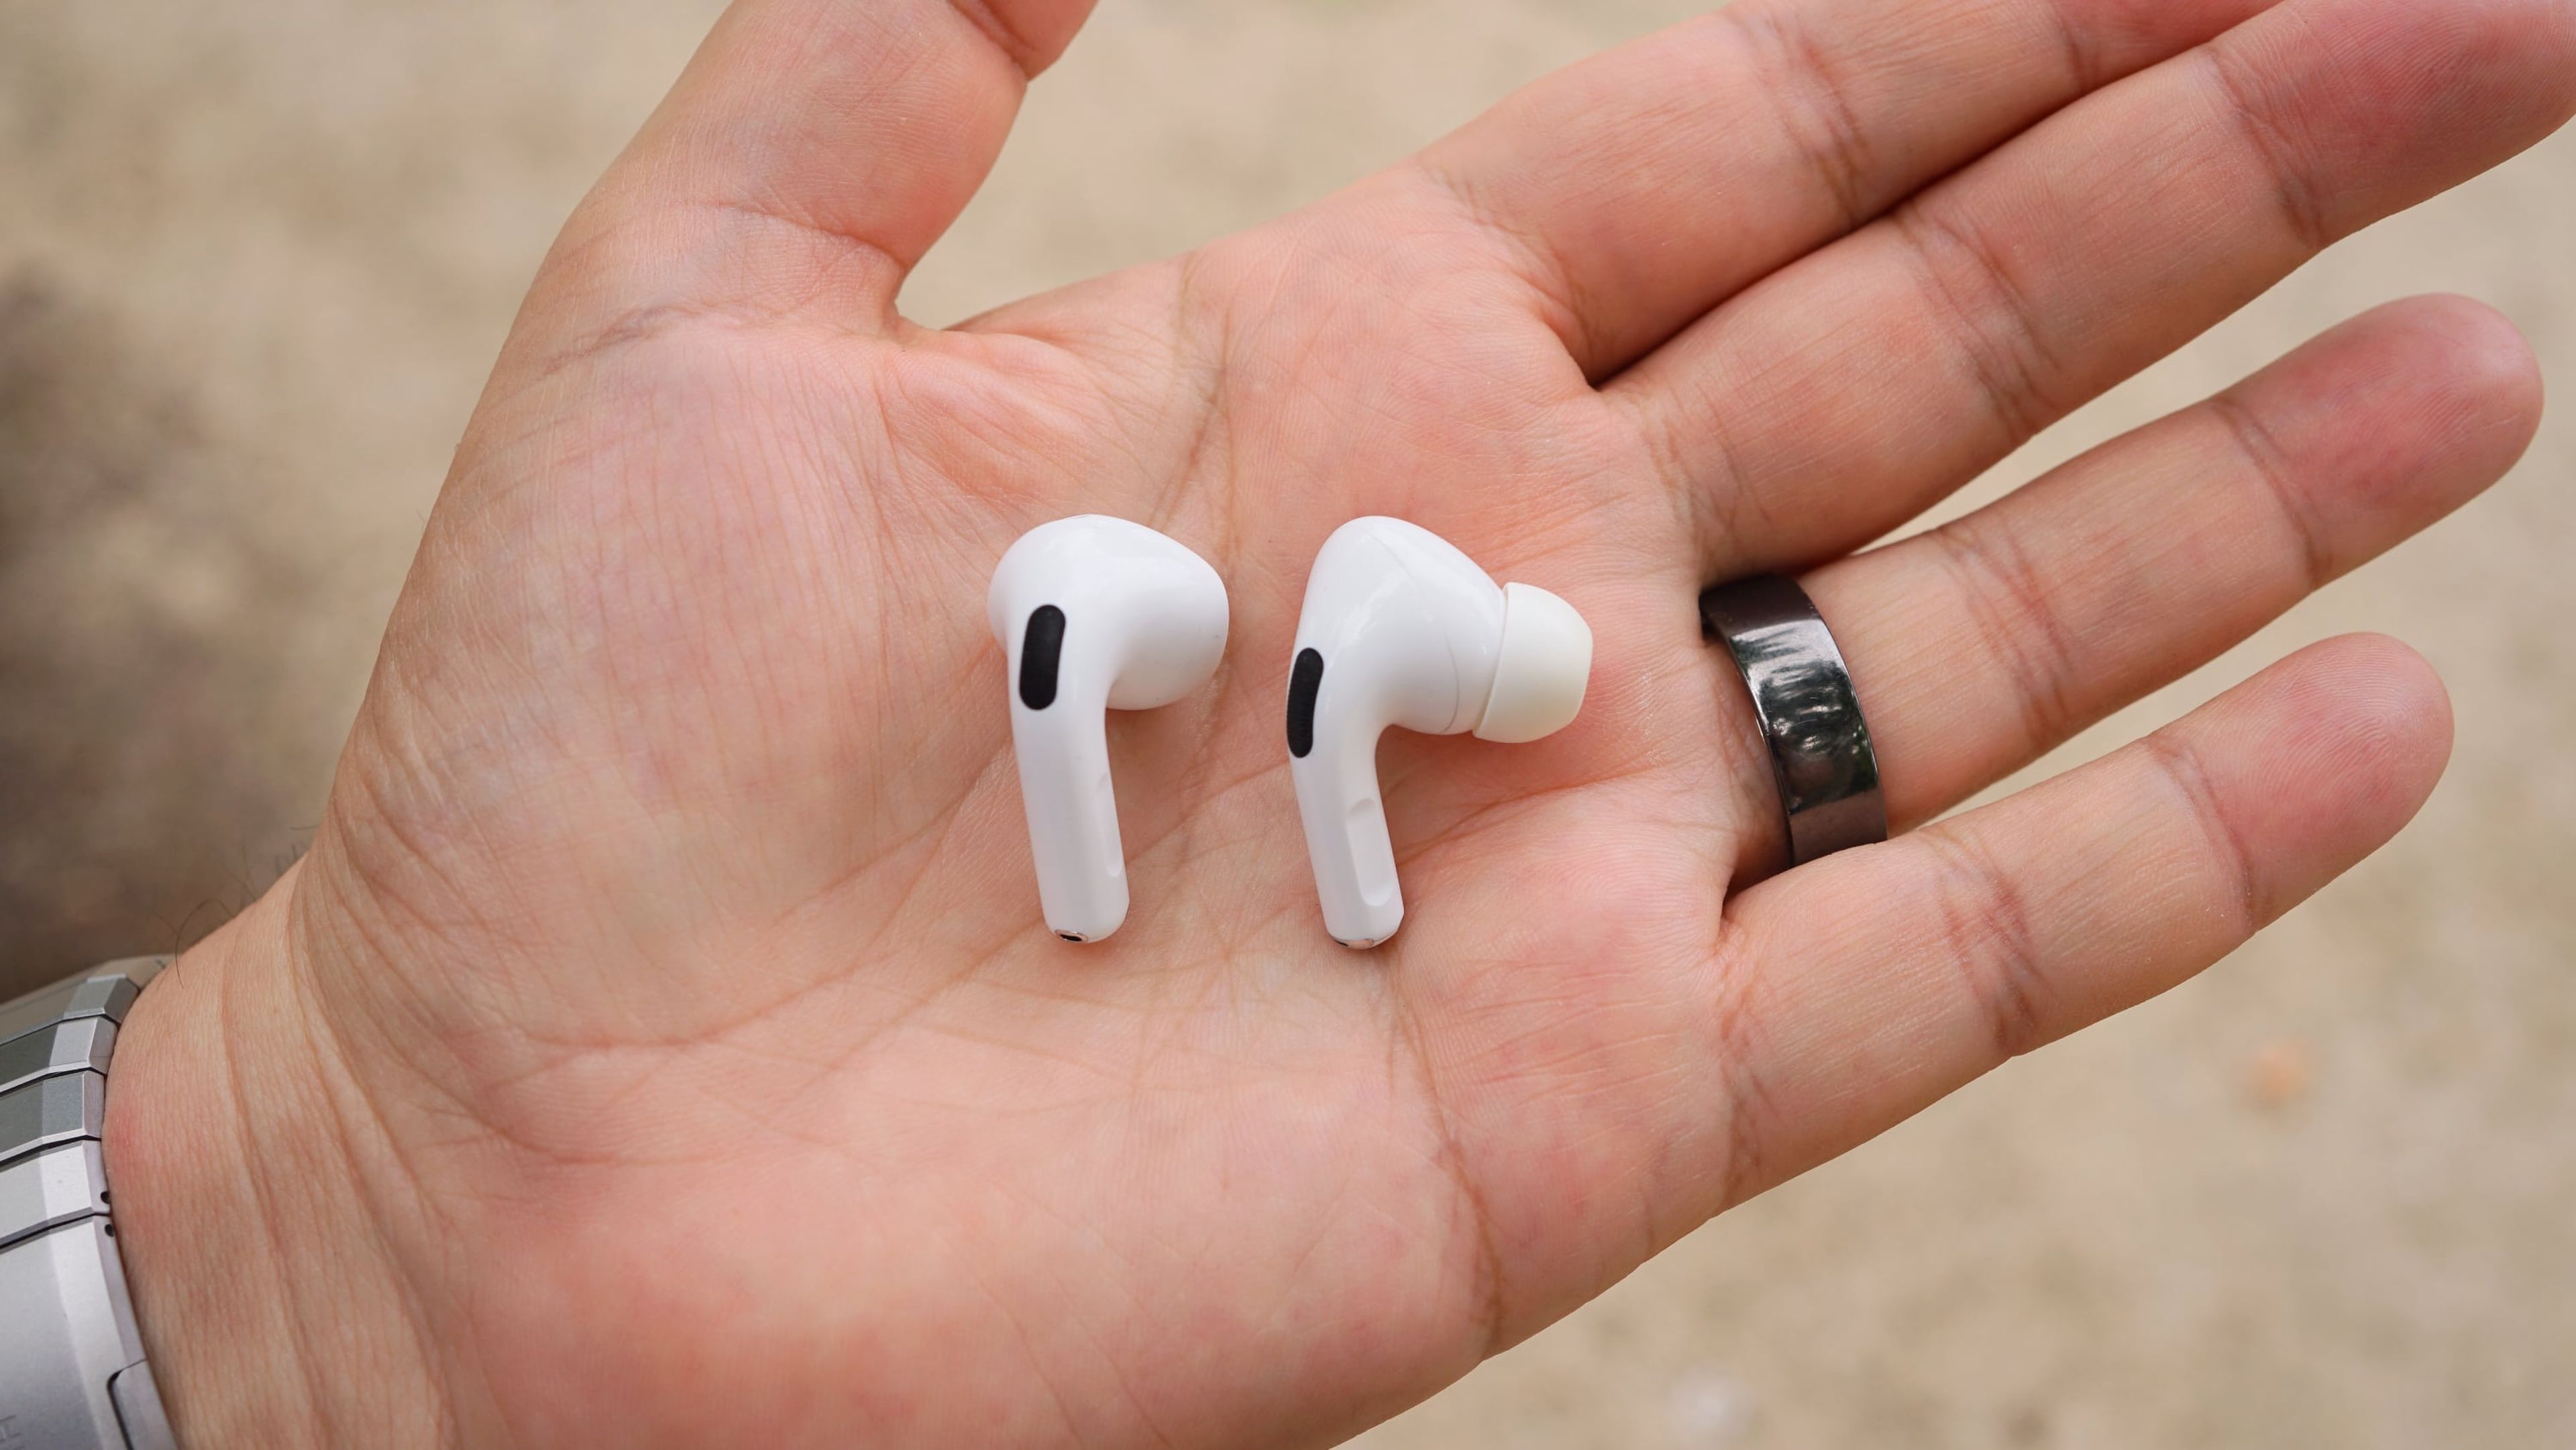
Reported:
(661, 1044)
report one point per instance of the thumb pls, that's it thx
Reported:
(812, 152)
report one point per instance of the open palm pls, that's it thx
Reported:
(662, 1045)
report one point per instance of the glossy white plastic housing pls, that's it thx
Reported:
(1403, 629)
(1137, 622)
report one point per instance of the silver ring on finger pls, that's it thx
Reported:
(1810, 715)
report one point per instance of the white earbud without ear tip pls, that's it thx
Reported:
(1095, 614)
(1400, 628)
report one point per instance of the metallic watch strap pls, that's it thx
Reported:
(64, 1185)
(102, 992)
(139, 1409)
(72, 1375)
(66, 1329)
(51, 1110)
(83, 1042)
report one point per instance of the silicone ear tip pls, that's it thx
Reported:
(1544, 664)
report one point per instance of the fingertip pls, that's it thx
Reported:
(2399, 99)
(2392, 420)
(2482, 367)
(2316, 762)
(2370, 730)
(2390, 689)
(2457, 348)
(2546, 29)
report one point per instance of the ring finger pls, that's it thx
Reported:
(1979, 646)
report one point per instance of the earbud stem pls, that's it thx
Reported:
(1073, 819)
(1346, 836)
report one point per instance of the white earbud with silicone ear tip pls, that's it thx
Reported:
(1095, 614)
(1402, 629)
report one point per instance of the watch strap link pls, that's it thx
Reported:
(72, 1375)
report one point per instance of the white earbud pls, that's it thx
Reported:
(1402, 629)
(1095, 614)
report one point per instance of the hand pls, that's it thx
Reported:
(661, 1044)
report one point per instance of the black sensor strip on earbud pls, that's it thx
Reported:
(1041, 652)
(1304, 681)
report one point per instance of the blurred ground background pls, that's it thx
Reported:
(254, 261)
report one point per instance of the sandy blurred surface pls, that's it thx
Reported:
(254, 262)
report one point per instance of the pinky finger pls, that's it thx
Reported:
(1868, 985)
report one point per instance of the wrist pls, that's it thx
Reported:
(272, 1311)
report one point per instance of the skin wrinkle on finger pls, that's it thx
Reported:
(1741, 1046)
(2017, 621)
(1000, 24)
(1985, 924)
(2005, 335)
(1824, 123)
(2271, 465)
(2293, 168)
(1553, 282)
(2183, 766)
